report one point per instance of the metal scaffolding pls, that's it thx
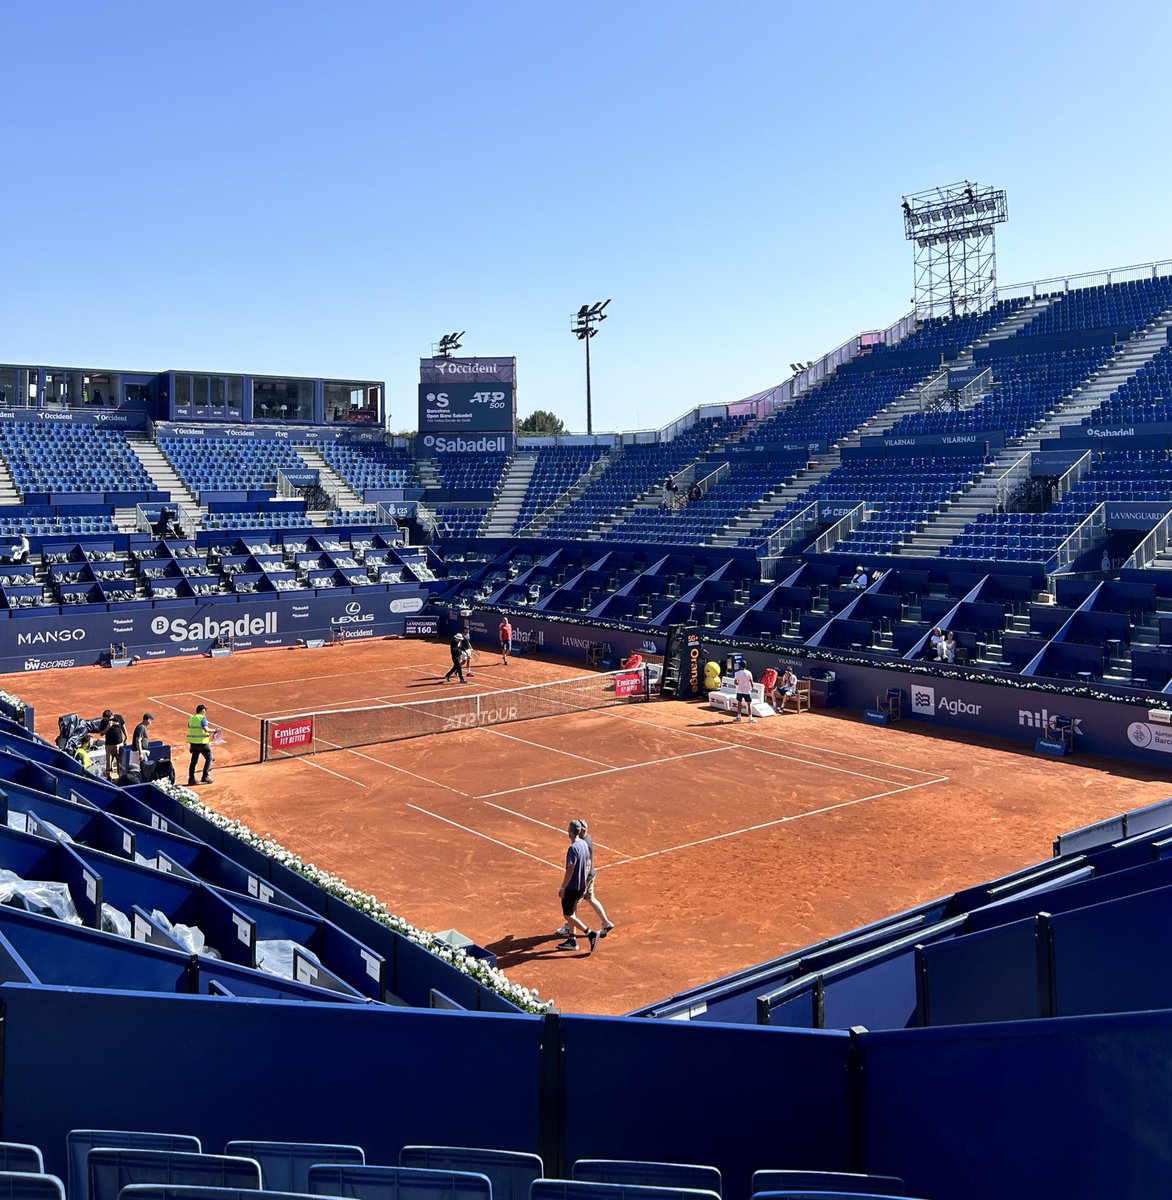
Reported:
(956, 250)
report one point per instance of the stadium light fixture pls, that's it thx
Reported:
(447, 345)
(584, 326)
(952, 228)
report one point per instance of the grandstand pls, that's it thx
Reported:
(1006, 475)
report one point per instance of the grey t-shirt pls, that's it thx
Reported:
(578, 861)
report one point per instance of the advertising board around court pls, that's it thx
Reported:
(561, 638)
(40, 640)
(1113, 728)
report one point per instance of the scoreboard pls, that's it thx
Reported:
(466, 408)
(467, 395)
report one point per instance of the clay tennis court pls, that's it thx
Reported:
(719, 845)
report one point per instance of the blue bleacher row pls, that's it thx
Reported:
(95, 572)
(112, 1164)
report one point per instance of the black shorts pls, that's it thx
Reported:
(745, 696)
(570, 902)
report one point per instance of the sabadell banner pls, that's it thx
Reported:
(38, 640)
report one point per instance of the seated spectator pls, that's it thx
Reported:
(694, 493)
(935, 641)
(19, 550)
(947, 648)
(859, 580)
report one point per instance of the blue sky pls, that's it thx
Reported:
(326, 188)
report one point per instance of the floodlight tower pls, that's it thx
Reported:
(956, 251)
(584, 325)
(447, 345)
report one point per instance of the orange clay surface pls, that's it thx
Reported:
(718, 845)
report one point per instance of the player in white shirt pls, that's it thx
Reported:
(743, 679)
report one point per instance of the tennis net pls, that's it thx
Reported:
(346, 728)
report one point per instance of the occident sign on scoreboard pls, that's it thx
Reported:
(466, 395)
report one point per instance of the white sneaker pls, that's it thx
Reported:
(563, 932)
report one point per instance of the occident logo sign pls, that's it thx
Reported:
(179, 629)
(449, 367)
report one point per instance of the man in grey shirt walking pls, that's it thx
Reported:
(574, 885)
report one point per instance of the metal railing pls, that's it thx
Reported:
(1070, 283)
(1009, 479)
(857, 516)
(800, 525)
(1092, 530)
(1152, 546)
(184, 519)
(1074, 473)
(933, 392)
(712, 478)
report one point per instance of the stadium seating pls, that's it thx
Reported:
(285, 1166)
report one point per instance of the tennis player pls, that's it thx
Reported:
(574, 887)
(506, 632)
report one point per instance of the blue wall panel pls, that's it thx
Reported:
(1072, 1108)
(724, 1096)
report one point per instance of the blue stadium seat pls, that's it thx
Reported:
(111, 1170)
(509, 1171)
(285, 1165)
(771, 1182)
(27, 1185)
(79, 1142)
(397, 1183)
(652, 1174)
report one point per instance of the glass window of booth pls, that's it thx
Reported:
(355, 403)
(282, 399)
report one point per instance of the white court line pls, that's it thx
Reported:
(545, 824)
(237, 687)
(532, 787)
(816, 812)
(485, 836)
(841, 770)
(542, 746)
(447, 787)
(707, 737)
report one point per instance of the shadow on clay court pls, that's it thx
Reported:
(511, 951)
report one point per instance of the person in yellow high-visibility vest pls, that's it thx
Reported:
(199, 739)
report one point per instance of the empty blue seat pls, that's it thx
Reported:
(111, 1170)
(79, 1142)
(27, 1185)
(653, 1174)
(20, 1156)
(397, 1183)
(509, 1171)
(285, 1166)
(770, 1182)
(581, 1189)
